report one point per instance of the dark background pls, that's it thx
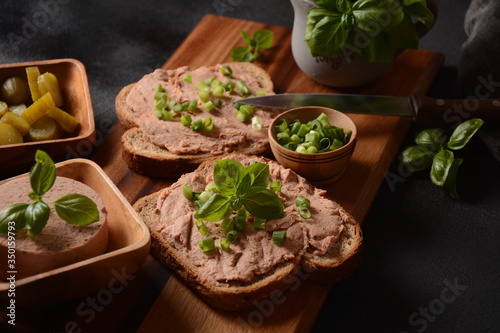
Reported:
(418, 241)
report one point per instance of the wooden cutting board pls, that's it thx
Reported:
(379, 141)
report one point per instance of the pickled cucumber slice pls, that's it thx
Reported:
(17, 121)
(48, 83)
(45, 128)
(17, 109)
(3, 108)
(67, 121)
(39, 108)
(33, 73)
(15, 90)
(9, 135)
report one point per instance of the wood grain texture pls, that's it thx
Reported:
(379, 141)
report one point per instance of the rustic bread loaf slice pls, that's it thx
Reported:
(174, 242)
(166, 148)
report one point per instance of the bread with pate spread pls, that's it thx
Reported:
(326, 246)
(167, 148)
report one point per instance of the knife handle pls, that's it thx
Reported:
(455, 111)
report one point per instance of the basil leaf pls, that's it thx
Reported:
(343, 6)
(463, 133)
(246, 37)
(441, 165)
(263, 203)
(13, 213)
(451, 181)
(324, 34)
(260, 171)
(227, 176)
(241, 54)
(416, 158)
(263, 38)
(77, 209)
(42, 174)
(245, 184)
(330, 4)
(432, 139)
(36, 215)
(371, 15)
(404, 35)
(419, 10)
(214, 209)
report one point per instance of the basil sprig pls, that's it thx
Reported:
(239, 186)
(435, 150)
(262, 39)
(76, 209)
(371, 29)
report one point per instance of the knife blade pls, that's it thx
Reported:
(416, 105)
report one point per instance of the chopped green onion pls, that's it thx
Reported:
(232, 235)
(281, 126)
(187, 191)
(192, 105)
(218, 103)
(312, 150)
(159, 87)
(188, 78)
(229, 86)
(202, 228)
(304, 212)
(204, 95)
(224, 245)
(211, 187)
(227, 225)
(259, 223)
(175, 105)
(160, 105)
(302, 201)
(242, 87)
(301, 149)
(209, 106)
(207, 244)
(216, 83)
(261, 93)
(186, 120)
(242, 116)
(226, 71)
(279, 236)
(160, 95)
(208, 124)
(256, 123)
(240, 220)
(204, 195)
(166, 115)
(196, 125)
(218, 91)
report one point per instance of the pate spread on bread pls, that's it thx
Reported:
(328, 243)
(60, 243)
(150, 144)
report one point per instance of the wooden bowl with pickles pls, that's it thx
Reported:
(44, 105)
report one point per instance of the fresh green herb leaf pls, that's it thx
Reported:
(13, 213)
(260, 171)
(463, 133)
(227, 176)
(42, 174)
(263, 203)
(450, 183)
(441, 165)
(215, 209)
(77, 209)
(432, 139)
(416, 158)
(36, 215)
(262, 39)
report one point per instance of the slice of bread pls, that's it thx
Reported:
(333, 264)
(146, 156)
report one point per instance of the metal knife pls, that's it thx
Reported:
(419, 106)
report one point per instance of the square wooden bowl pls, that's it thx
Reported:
(128, 246)
(73, 81)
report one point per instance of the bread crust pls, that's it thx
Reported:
(145, 158)
(339, 264)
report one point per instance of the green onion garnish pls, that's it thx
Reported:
(259, 223)
(224, 245)
(275, 186)
(202, 228)
(207, 244)
(232, 236)
(279, 236)
(256, 123)
(188, 78)
(187, 191)
(242, 87)
(226, 71)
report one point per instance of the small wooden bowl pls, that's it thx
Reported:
(319, 168)
(72, 79)
(128, 246)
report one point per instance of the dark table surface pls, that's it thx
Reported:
(431, 262)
